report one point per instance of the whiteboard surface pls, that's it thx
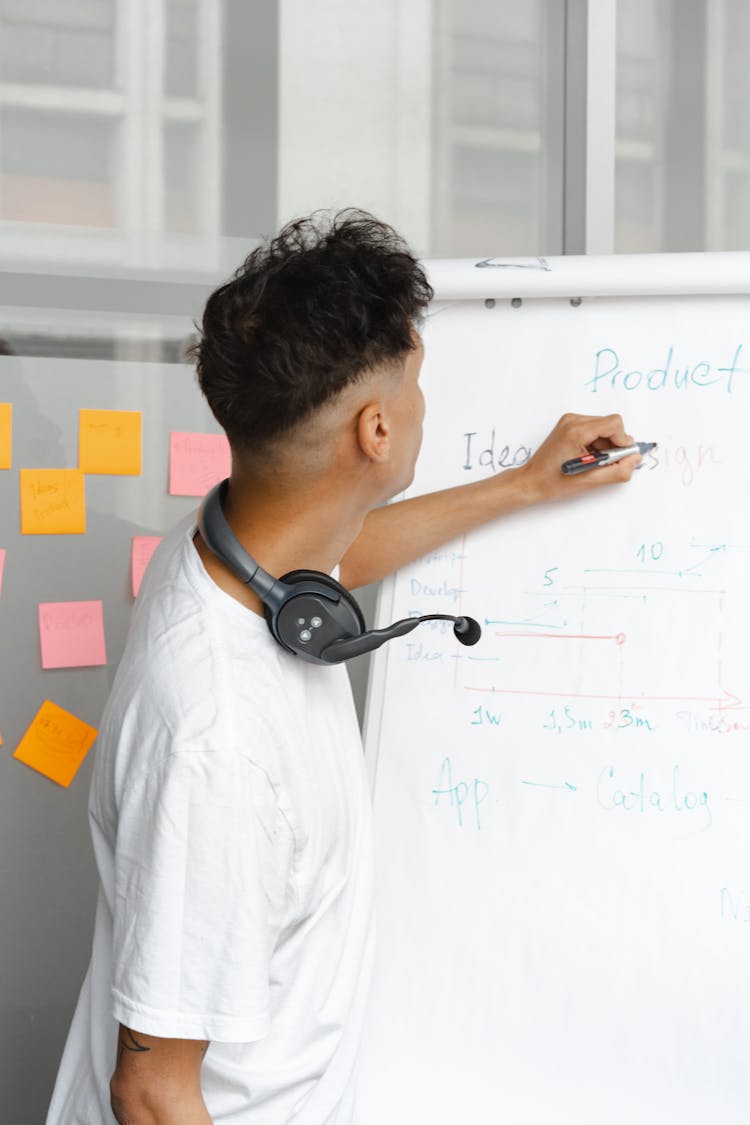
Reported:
(563, 813)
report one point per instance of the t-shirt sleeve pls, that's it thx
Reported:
(202, 876)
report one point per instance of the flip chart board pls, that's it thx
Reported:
(563, 812)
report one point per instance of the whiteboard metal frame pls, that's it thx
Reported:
(376, 680)
(587, 275)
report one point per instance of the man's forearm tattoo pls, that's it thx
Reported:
(128, 1042)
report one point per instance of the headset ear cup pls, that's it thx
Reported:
(299, 576)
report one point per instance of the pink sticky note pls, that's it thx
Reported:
(197, 462)
(2, 564)
(140, 556)
(71, 634)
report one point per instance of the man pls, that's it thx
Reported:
(229, 807)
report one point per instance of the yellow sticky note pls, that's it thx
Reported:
(52, 502)
(6, 434)
(55, 743)
(109, 441)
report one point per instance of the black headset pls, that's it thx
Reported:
(309, 613)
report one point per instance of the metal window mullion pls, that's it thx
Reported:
(716, 163)
(129, 69)
(210, 55)
(153, 46)
(589, 127)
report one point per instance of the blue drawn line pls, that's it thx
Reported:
(641, 571)
(586, 592)
(541, 785)
(722, 546)
(690, 569)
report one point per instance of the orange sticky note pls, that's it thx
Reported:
(55, 743)
(109, 441)
(140, 556)
(197, 462)
(71, 634)
(6, 434)
(52, 502)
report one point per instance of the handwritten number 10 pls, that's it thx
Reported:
(650, 552)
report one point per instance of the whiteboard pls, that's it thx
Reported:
(563, 813)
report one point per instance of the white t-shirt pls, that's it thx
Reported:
(231, 823)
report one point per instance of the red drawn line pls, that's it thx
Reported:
(460, 599)
(720, 653)
(721, 704)
(618, 638)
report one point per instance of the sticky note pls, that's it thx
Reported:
(109, 441)
(71, 634)
(52, 502)
(55, 743)
(2, 567)
(197, 462)
(140, 556)
(6, 434)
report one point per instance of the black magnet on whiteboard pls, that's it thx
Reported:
(576, 301)
(489, 303)
(516, 302)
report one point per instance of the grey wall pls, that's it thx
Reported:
(47, 876)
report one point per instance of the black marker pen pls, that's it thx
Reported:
(605, 457)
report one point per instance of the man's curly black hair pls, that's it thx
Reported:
(314, 309)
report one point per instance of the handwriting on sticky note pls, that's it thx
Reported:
(109, 441)
(72, 634)
(197, 462)
(55, 743)
(2, 567)
(140, 556)
(52, 502)
(6, 434)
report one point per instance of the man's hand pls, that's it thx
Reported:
(394, 535)
(157, 1081)
(573, 436)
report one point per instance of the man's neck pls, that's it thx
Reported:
(307, 529)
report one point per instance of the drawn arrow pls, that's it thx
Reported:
(731, 702)
(541, 785)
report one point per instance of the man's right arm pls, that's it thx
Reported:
(157, 1081)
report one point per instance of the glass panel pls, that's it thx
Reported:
(683, 125)
(736, 76)
(643, 59)
(57, 168)
(49, 42)
(737, 211)
(443, 117)
(182, 177)
(181, 49)
(501, 85)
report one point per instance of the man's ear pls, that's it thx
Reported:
(373, 432)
